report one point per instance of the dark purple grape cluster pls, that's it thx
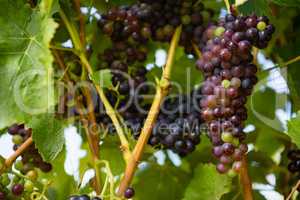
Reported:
(157, 20)
(230, 77)
(30, 158)
(178, 126)
(83, 197)
(294, 157)
(168, 14)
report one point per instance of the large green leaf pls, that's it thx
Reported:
(48, 135)
(259, 7)
(294, 130)
(207, 184)
(26, 86)
(295, 3)
(160, 182)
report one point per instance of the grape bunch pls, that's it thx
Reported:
(157, 20)
(83, 197)
(30, 158)
(178, 126)
(294, 157)
(229, 78)
(168, 14)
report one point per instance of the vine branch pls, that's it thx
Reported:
(92, 149)
(293, 190)
(285, 64)
(9, 161)
(227, 6)
(161, 91)
(246, 180)
(81, 22)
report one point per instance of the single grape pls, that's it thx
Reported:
(17, 189)
(129, 193)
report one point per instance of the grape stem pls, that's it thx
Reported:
(81, 22)
(293, 190)
(109, 109)
(9, 161)
(162, 90)
(246, 180)
(285, 64)
(227, 5)
(197, 51)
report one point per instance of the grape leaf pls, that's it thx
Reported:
(156, 182)
(294, 129)
(25, 61)
(111, 152)
(103, 78)
(207, 184)
(259, 7)
(48, 135)
(287, 2)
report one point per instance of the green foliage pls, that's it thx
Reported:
(103, 78)
(27, 93)
(48, 135)
(26, 85)
(207, 184)
(163, 182)
(294, 130)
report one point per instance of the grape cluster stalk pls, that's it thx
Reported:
(230, 76)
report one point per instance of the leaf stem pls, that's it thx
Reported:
(285, 64)
(9, 161)
(293, 190)
(161, 91)
(227, 6)
(246, 180)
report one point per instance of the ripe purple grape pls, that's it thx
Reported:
(17, 189)
(129, 193)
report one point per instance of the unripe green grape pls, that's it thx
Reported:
(32, 175)
(261, 26)
(19, 165)
(45, 181)
(219, 31)
(28, 186)
(226, 83)
(232, 173)
(17, 139)
(5, 179)
(235, 142)
(227, 137)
